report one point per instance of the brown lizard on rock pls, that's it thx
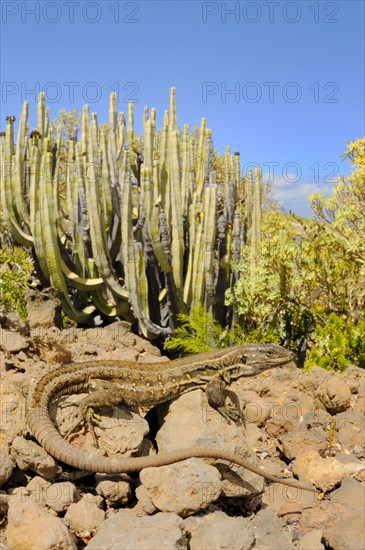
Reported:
(147, 385)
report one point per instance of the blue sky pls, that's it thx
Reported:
(295, 71)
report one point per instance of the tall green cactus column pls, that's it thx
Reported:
(50, 241)
(11, 184)
(132, 257)
(256, 220)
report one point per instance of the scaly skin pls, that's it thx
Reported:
(146, 385)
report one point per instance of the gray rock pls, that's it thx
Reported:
(114, 341)
(275, 540)
(359, 404)
(311, 540)
(59, 496)
(37, 490)
(22, 356)
(12, 342)
(265, 522)
(348, 458)
(113, 488)
(117, 335)
(254, 437)
(182, 488)
(33, 496)
(322, 514)
(6, 466)
(123, 530)
(119, 355)
(354, 378)
(191, 422)
(286, 501)
(43, 308)
(217, 531)
(31, 456)
(351, 427)
(348, 418)
(11, 320)
(30, 527)
(86, 514)
(145, 504)
(118, 429)
(346, 536)
(350, 493)
(317, 418)
(278, 426)
(12, 412)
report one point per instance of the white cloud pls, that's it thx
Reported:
(292, 193)
(277, 180)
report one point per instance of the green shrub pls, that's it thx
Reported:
(338, 343)
(200, 332)
(15, 273)
(273, 301)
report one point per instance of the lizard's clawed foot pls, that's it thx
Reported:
(229, 412)
(105, 393)
(74, 428)
(89, 417)
(86, 417)
(217, 398)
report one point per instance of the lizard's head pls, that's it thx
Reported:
(256, 358)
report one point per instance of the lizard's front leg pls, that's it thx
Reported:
(103, 393)
(217, 395)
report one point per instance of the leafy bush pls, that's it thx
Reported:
(15, 273)
(273, 301)
(200, 332)
(338, 343)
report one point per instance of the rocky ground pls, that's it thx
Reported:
(303, 425)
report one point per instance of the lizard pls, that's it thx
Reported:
(146, 385)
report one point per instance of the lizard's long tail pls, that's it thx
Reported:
(45, 432)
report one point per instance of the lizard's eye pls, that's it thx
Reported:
(244, 359)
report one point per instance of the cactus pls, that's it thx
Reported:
(42, 114)
(143, 231)
(177, 235)
(210, 207)
(49, 235)
(248, 194)
(9, 196)
(186, 173)
(19, 165)
(163, 164)
(237, 174)
(152, 219)
(256, 219)
(36, 221)
(133, 259)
